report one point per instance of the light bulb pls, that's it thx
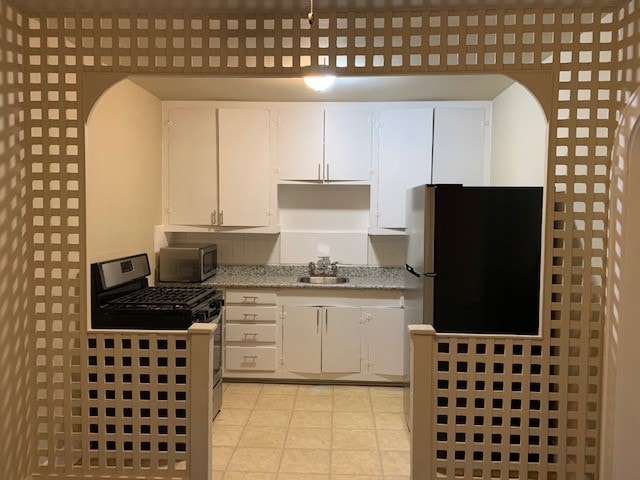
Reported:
(319, 82)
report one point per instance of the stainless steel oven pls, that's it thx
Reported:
(121, 298)
(217, 365)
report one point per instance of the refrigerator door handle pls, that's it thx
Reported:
(411, 270)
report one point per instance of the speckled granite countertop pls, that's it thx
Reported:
(286, 276)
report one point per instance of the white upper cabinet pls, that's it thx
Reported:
(460, 141)
(244, 167)
(404, 160)
(192, 182)
(218, 166)
(331, 144)
(347, 143)
(223, 160)
(300, 143)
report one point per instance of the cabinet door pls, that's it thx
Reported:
(347, 143)
(192, 165)
(300, 144)
(301, 339)
(244, 167)
(341, 340)
(386, 338)
(404, 160)
(459, 146)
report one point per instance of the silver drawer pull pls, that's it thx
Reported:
(254, 315)
(249, 298)
(250, 356)
(250, 334)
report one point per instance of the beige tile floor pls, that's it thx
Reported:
(310, 432)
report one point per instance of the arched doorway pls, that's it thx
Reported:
(621, 390)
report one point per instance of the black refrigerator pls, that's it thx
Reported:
(473, 260)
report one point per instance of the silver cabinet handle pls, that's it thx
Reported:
(317, 321)
(249, 298)
(221, 217)
(327, 177)
(250, 356)
(319, 178)
(326, 321)
(213, 217)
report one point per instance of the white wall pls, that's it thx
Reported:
(318, 220)
(260, 249)
(518, 139)
(124, 161)
(626, 432)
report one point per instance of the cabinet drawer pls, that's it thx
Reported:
(248, 297)
(250, 358)
(250, 332)
(252, 314)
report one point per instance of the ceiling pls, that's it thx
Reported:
(285, 6)
(352, 89)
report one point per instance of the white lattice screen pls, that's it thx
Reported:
(136, 404)
(16, 338)
(506, 409)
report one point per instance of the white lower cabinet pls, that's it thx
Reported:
(250, 332)
(254, 359)
(385, 340)
(301, 340)
(321, 339)
(332, 335)
(341, 340)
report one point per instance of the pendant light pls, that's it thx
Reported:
(321, 77)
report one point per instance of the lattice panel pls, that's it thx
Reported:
(574, 45)
(491, 411)
(628, 115)
(137, 406)
(17, 379)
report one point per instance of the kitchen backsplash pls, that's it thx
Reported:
(387, 251)
(259, 249)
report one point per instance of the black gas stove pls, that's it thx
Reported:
(122, 299)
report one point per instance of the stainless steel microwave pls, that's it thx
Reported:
(188, 263)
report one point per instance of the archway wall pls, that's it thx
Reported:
(621, 421)
(528, 407)
(618, 419)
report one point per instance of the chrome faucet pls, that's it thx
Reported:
(323, 267)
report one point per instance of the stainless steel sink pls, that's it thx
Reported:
(323, 279)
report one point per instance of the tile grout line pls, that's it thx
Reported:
(286, 435)
(375, 432)
(333, 395)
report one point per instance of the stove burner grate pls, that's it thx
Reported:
(163, 298)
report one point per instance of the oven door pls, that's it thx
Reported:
(217, 366)
(217, 350)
